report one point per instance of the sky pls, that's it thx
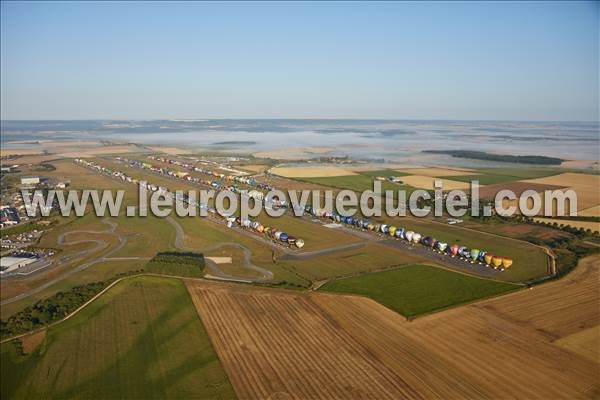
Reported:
(385, 60)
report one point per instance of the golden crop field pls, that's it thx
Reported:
(427, 182)
(585, 185)
(314, 345)
(311, 172)
(438, 172)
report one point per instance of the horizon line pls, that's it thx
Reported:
(295, 119)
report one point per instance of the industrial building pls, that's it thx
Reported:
(9, 264)
(30, 180)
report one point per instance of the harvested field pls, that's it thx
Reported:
(28, 159)
(310, 172)
(594, 226)
(31, 342)
(585, 343)
(170, 150)
(256, 168)
(19, 152)
(523, 231)
(269, 341)
(590, 212)
(557, 309)
(289, 344)
(96, 151)
(489, 192)
(427, 182)
(587, 187)
(437, 172)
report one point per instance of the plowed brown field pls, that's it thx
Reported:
(276, 343)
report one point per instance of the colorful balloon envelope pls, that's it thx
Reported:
(474, 254)
(416, 237)
(497, 261)
(454, 249)
(392, 230)
(442, 246)
(507, 262)
(488, 258)
(427, 241)
(482, 254)
(409, 235)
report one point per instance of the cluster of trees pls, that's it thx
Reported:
(177, 263)
(567, 249)
(482, 155)
(577, 231)
(52, 308)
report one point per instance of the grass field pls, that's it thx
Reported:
(359, 183)
(419, 289)
(529, 261)
(490, 176)
(372, 257)
(203, 236)
(142, 339)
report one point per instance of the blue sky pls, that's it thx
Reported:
(507, 61)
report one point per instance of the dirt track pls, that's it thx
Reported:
(282, 343)
(264, 275)
(99, 245)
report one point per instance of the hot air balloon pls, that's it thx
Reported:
(461, 249)
(454, 250)
(497, 261)
(481, 257)
(507, 262)
(365, 224)
(260, 228)
(416, 237)
(299, 243)
(277, 234)
(392, 230)
(466, 253)
(283, 237)
(442, 246)
(427, 241)
(409, 235)
(488, 258)
(291, 240)
(474, 254)
(370, 227)
(400, 233)
(384, 228)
